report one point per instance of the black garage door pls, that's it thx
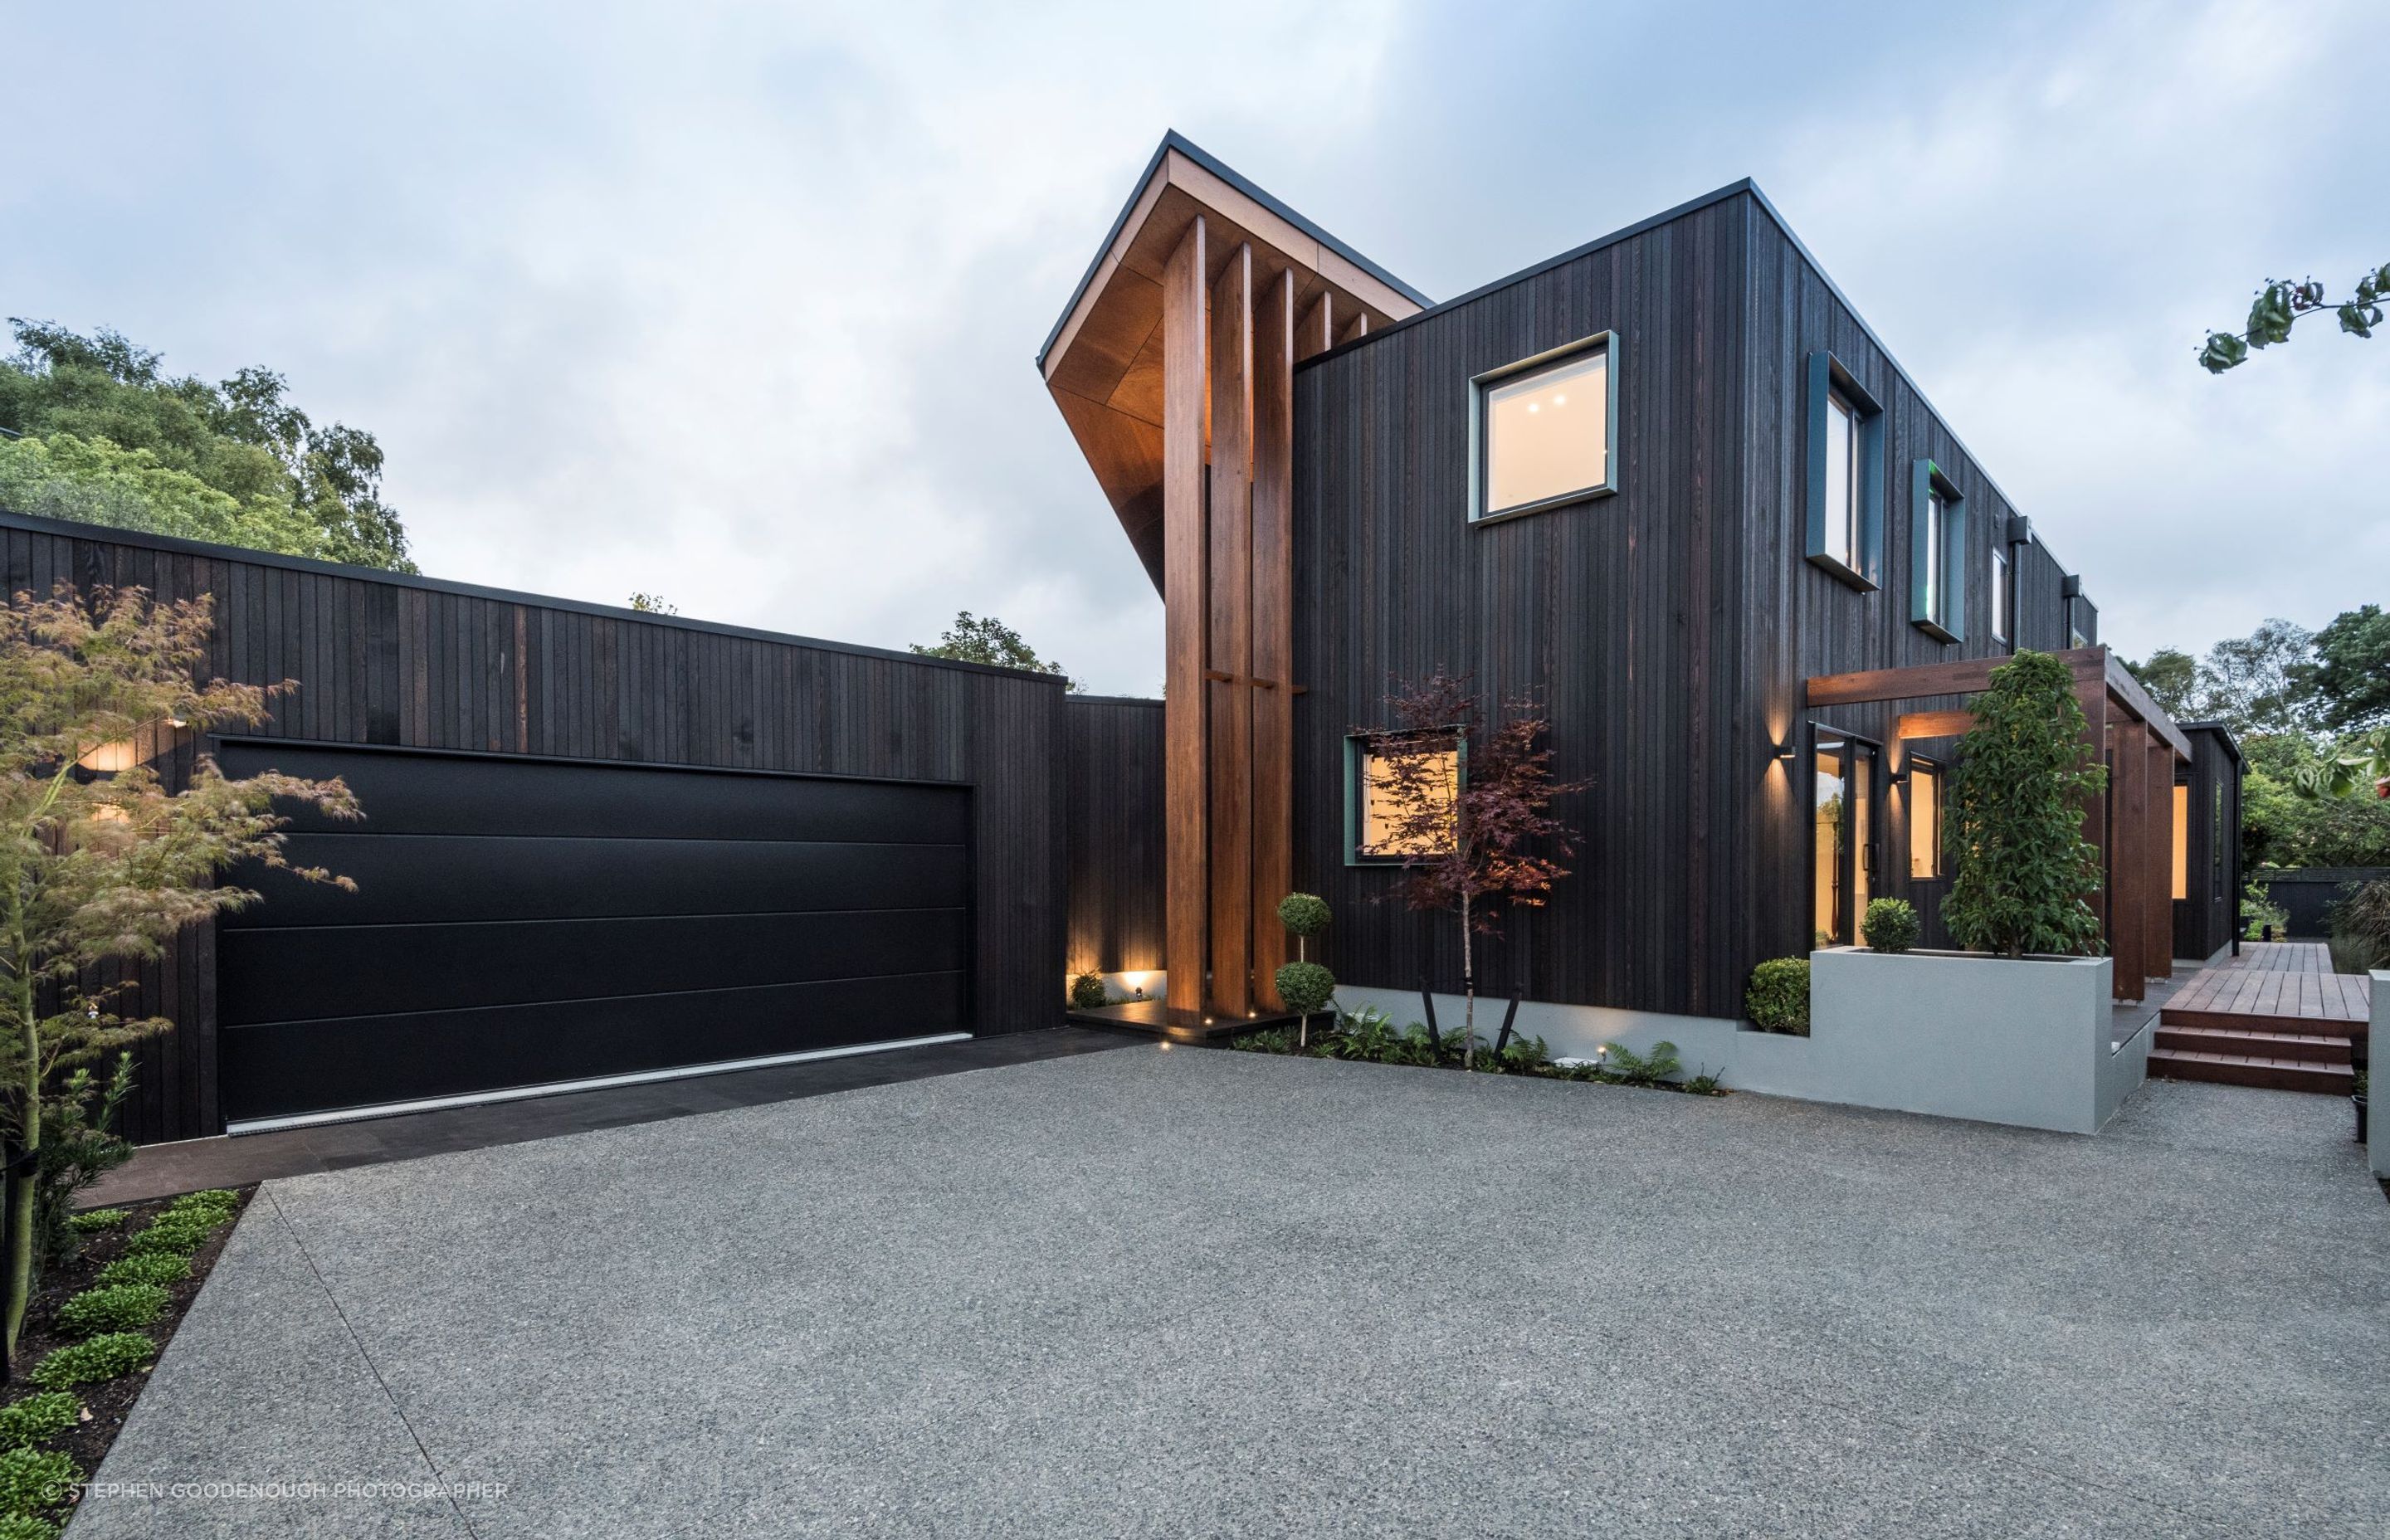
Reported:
(519, 922)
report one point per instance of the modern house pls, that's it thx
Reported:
(1670, 485)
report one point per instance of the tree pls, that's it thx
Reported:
(312, 491)
(100, 863)
(2014, 817)
(1469, 813)
(1305, 986)
(2281, 304)
(653, 604)
(2260, 683)
(972, 639)
(2171, 675)
(2350, 679)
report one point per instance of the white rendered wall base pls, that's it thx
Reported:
(1950, 1034)
(2377, 1143)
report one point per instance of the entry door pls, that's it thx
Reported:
(523, 922)
(1843, 835)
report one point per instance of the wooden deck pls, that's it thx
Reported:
(2275, 1016)
(2286, 982)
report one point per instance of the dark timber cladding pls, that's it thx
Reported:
(408, 662)
(1669, 631)
(1113, 837)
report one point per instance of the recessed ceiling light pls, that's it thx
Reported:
(1533, 407)
(1559, 401)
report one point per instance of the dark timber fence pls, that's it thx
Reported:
(1112, 764)
(2309, 893)
(387, 658)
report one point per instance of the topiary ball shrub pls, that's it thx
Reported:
(1088, 993)
(158, 1268)
(117, 1307)
(32, 1479)
(1303, 914)
(96, 1220)
(102, 1358)
(1778, 997)
(1305, 987)
(1890, 925)
(43, 1415)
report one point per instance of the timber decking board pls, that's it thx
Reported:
(2276, 986)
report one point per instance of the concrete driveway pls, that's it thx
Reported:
(1177, 1293)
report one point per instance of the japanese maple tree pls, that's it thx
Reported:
(1468, 812)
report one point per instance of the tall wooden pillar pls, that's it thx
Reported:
(1186, 556)
(2157, 950)
(1229, 677)
(2091, 693)
(2129, 861)
(1273, 626)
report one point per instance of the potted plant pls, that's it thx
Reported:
(2015, 1028)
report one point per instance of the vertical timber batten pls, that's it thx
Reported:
(1273, 626)
(1228, 678)
(1186, 332)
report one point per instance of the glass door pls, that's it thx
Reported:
(1842, 835)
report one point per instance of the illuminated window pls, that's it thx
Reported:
(1924, 819)
(1399, 791)
(1842, 836)
(1543, 430)
(2181, 841)
(1846, 474)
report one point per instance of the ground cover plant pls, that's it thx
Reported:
(93, 1329)
(1370, 1035)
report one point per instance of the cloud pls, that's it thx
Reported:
(738, 303)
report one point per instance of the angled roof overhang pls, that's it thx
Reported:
(1103, 361)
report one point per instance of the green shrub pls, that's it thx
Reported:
(1087, 992)
(1303, 914)
(2360, 926)
(78, 1147)
(154, 1267)
(175, 1234)
(2258, 907)
(1305, 987)
(1270, 1040)
(1778, 996)
(24, 1526)
(222, 1199)
(93, 1220)
(46, 1414)
(1890, 925)
(1650, 1069)
(1703, 1085)
(116, 1307)
(32, 1479)
(2015, 816)
(100, 1359)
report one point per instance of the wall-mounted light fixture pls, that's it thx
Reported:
(1788, 752)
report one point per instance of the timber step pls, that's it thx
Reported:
(2269, 1073)
(2244, 1041)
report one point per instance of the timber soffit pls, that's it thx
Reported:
(107, 534)
(1172, 139)
(1641, 226)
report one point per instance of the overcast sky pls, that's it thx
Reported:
(738, 303)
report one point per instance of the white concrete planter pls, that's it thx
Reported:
(2377, 1143)
(1966, 1035)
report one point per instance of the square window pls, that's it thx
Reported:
(1543, 430)
(1846, 474)
(1400, 791)
(1937, 543)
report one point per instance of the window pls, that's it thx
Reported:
(1398, 788)
(2181, 841)
(1924, 820)
(1999, 595)
(1846, 474)
(1543, 430)
(1841, 835)
(1937, 563)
